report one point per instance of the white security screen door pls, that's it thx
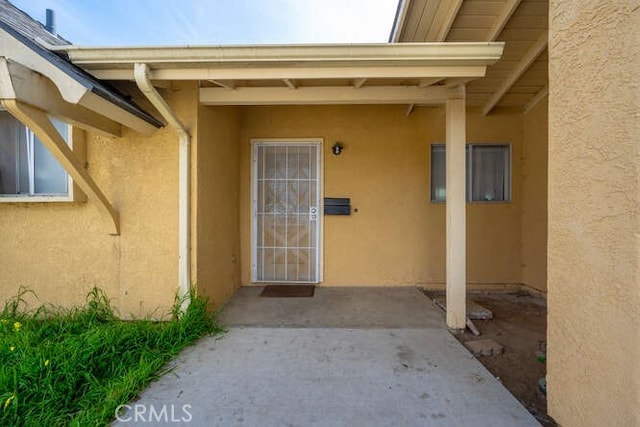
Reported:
(286, 212)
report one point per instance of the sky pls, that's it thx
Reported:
(198, 22)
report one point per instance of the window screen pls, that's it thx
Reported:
(488, 173)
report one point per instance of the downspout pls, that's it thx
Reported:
(141, 73)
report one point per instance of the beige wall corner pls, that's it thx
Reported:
(534, 197)
(594, 213)
(61, 250)
(218, 198)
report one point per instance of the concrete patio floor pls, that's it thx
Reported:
(346, 357)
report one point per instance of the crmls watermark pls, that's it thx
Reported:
(140, 413)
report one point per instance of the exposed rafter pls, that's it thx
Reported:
(38, 121)
(358, 83)
(502, 19)
(542, 94)
(226, 85)
(409, 109)
(486, 21)
(429, 82)
(329, 95)
(162, 84)
(457, 81)
(442, 22)
(290, 83)
(529, 57)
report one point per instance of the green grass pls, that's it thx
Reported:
(75, 367)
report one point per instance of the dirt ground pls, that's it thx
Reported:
(519, 324)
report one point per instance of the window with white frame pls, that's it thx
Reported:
(488, 172)
(27, 168)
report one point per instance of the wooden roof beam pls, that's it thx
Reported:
(302, 73)
(542, 94)
(508, 10)
(226, 85)
(329, 95)
(445, 16)
(529, 57)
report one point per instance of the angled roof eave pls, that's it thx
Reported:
(75, 85)
(398, 20)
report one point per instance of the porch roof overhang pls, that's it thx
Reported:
(407, 73)
(521, 77)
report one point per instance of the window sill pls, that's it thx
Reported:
(477, 202)
(490, 202)
(37, 199)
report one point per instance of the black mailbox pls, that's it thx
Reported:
(337, 206)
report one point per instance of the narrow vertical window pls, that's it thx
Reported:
(438, 173)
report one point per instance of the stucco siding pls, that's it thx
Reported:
(218, 229)
(594, 216)
(534, 197)
(397, 237)
(62, 250)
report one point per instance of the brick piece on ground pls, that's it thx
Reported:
(484, 347)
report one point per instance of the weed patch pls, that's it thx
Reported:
(75, 367)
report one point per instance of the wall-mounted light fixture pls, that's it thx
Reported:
(337, 148)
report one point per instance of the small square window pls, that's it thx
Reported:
(488, 173)
(27, 168)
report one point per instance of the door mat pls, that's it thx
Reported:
(288, 291)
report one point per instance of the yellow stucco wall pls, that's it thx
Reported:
(594, 213)
(534, 197)
(218, 230)
(62, 250)
(397, 237)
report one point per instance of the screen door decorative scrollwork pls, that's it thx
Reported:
(286, 212)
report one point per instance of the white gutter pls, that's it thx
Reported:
(141, 73)
(347, 55)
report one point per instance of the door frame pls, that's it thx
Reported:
(255, 142)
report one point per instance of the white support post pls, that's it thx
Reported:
(456, 213)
